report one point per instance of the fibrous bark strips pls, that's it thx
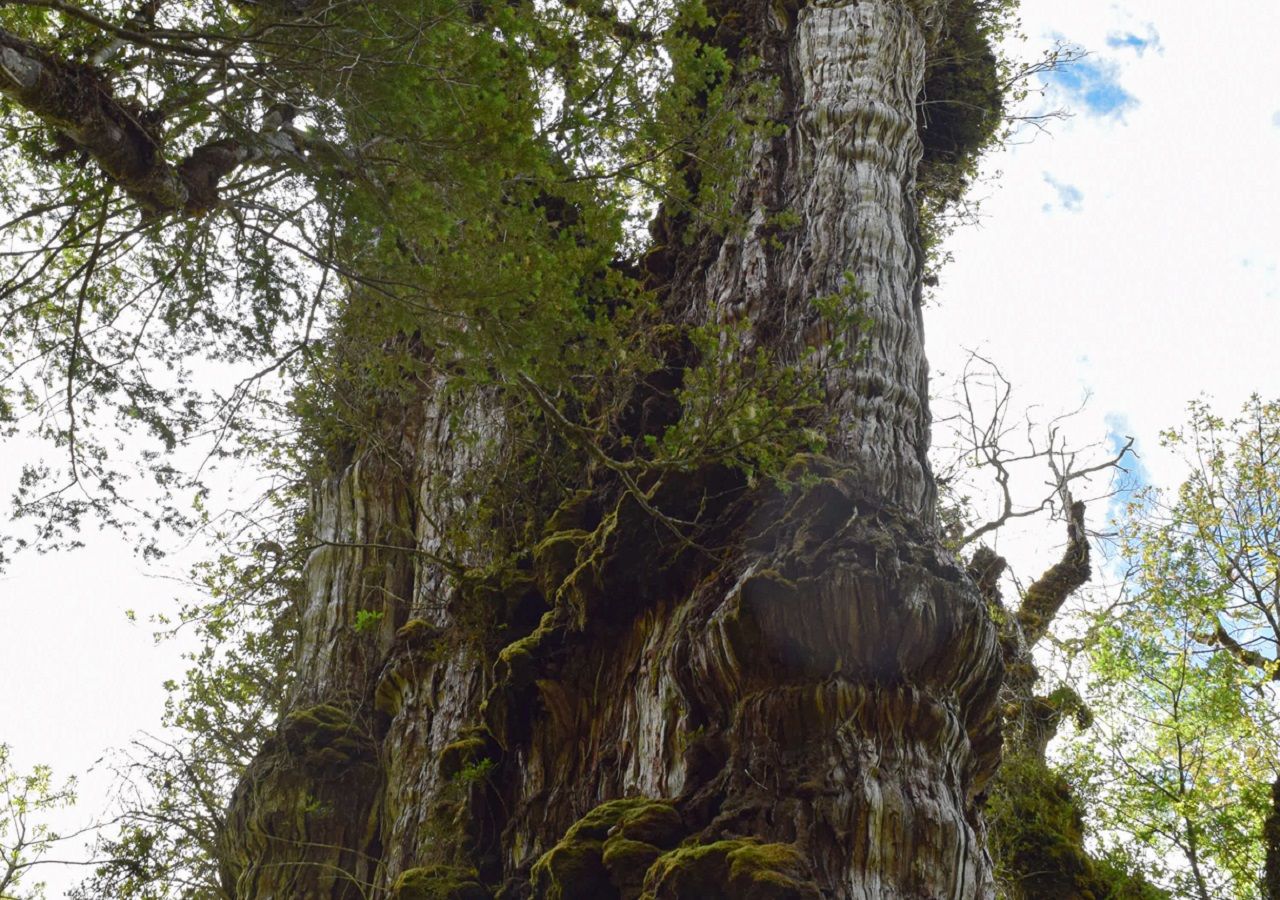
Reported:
(808, 711)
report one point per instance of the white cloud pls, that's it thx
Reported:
(1139, 297)
(1138, 43)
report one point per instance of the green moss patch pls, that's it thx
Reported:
(323, 738)
(1037, 840)
(731, 870)
(439, 883)
(606, 854)
(417, 634)
(472, 747)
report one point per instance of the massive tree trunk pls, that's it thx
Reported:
(801, 704)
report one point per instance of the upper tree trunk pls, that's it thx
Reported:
(824, 684)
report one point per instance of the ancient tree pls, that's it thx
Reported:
(621, 575)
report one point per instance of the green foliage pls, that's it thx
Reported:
(476, 171)
(962, 102)
(1184, 670)
(25, 838)
(484, 195)
(174, 787)
(476, 772)
(962, 107)
(368, 620)
(753, 410)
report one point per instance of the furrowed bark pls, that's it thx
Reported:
(809, 711)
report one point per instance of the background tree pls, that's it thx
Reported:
(1184, 668)
(26, 838)
(999, 465)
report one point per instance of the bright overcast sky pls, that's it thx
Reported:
(1130, 254)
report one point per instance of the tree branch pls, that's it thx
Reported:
(75, 100)
(1243, 654)
(1046, 595)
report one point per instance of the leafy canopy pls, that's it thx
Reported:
(1185, 670)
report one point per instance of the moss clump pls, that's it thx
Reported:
(731, 870)
(573, 870)
(1037, 840)
(627, 861)
(473, 746)
(439, 883)
(607, 852)
(417, 634)
(324, 739)
(517, 662)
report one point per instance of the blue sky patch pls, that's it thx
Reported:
(1134, 476)
(1070, 197)
(1092, 85)
(1127, 40)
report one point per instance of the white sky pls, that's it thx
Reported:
(1132, 256)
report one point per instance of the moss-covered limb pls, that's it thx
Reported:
(1047, 593)
(1035, 820)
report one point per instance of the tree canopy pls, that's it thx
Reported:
(1183, 761)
